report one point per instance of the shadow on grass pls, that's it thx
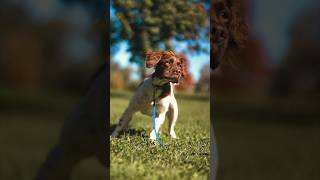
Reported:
(120, 94)
(268, 115)
(129, 131)
(179, 95)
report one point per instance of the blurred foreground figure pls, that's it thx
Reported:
(83, 134)
(228, 35)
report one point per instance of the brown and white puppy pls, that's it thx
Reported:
(169, 68)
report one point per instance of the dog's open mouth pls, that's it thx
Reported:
(173, 80)
(165, 80)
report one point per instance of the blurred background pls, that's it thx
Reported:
(49, 51)
(266, 100)
(141, 26)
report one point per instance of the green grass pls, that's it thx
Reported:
(267, 139)
(134, 157)
(257, 140)
(29, 127)
(267, 151)
(26, 139)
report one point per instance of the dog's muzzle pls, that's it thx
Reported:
(174, 80)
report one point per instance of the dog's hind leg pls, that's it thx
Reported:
(123, 122)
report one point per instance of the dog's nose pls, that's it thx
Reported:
(176, 71)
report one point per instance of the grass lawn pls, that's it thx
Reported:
(133, 157)
(271, 139)
(256, 141)
(29, 127)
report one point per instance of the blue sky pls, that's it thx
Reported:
(197, 61)
(271, 21)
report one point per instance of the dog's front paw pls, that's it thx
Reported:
(153, 136)
(173, 135)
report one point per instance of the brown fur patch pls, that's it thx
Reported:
(165, 90)
(228, 30)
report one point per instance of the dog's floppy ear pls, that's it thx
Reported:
(184, 65)
(152, 58)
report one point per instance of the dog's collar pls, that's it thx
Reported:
(165, 89)
(158, 86)
(155, 86)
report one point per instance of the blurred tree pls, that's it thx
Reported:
(114, 34)
(120, 77)
(149, 24)
(299, 73)
(98, 34)
(116, 78)
(126, 72)
(203, 84)
(98, 10)
(21, 54)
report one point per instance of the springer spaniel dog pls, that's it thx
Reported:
(84, 134)
(169, 68)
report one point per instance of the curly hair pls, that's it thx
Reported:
(228, 30)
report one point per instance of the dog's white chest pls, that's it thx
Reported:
(142, 101)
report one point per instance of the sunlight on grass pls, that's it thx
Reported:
(134, 157)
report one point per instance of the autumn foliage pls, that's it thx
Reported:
(187, 83)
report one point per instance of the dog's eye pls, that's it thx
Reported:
(224, 15)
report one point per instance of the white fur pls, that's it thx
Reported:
(142, 102)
